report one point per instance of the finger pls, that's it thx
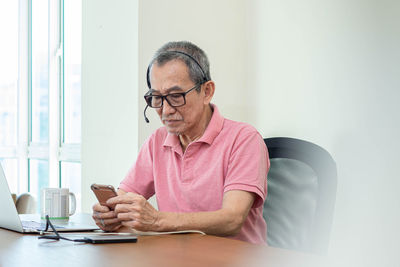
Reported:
(128, 216)
(108, 228)
(107, 223)
(101, 225)
(116, 227)
(121, 208)
(128, 198)
(110, 221)
(132, 224)
(99, 208)
(105, 215)
(112, 227)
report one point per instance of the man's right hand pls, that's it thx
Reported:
(105, 218)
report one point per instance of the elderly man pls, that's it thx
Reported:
(208, 173)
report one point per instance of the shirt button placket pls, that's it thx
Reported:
(187, 173)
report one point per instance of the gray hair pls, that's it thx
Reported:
(199, 72)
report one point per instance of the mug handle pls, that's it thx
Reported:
(73, 203)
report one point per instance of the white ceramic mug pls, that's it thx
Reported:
(55, 203)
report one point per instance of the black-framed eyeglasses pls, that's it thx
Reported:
(174, 99)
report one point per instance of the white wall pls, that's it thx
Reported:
(328, 72)
(109, 92)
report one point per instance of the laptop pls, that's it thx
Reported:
(31, 223)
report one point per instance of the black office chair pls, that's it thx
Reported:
(301, 195)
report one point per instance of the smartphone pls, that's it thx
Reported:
(103, 193)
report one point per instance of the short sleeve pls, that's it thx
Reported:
(248, 166)
(140, 177)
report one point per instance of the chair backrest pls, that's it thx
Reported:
(26, 204)
(301, 195)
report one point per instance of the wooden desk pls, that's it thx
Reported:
(168, 250)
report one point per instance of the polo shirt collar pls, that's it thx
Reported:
(172, 140)
(214, 127)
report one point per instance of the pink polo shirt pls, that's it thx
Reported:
(229, 156)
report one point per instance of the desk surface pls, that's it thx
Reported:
(168, 250)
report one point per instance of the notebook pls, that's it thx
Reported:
(10, 219)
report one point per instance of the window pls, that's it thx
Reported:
(40, 95)
(9, 91)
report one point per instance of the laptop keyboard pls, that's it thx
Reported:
(37, 225)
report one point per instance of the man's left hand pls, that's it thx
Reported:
(135, 211)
